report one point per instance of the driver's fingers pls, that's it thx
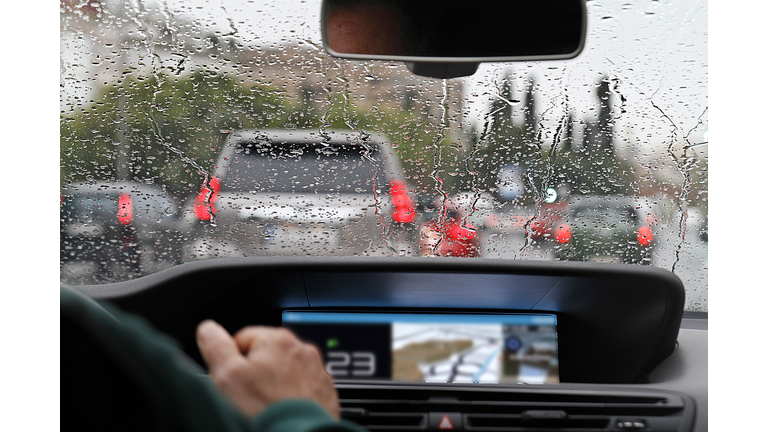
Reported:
(251, 340)
(216, 344)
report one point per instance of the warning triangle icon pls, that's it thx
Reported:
(445, 423)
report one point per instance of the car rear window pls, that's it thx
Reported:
(301, 168)
(605, 214)
(90, 208)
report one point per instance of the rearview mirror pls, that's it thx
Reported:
(453, 35)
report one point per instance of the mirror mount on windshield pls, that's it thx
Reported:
(436, 38)
(442, 70)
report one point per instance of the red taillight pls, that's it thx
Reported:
(563, 234)
(125, 209)
(397, 187)
(403, 211)
(401, 200)
(644, 236)
(457, 232)
(204, 208)
(404, 215)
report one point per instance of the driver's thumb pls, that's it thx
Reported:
(216, 345)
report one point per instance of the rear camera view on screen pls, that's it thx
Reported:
(433, 347)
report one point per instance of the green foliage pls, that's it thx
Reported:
(591, 166)
(428, 156)
(587, 167)
(430, 161)
(169, 130)
(505, 142)
(164, 128)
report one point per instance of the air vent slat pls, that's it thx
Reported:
(386, 420)
(499, 396)
(501, 422)
(511, 407)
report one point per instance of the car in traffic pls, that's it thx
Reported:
(544, 226)
(310, 150)
(108, 229)
(608, 229)
(292, 193)
(444, 230)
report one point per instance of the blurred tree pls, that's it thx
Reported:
(597, 168)
(172, 127)
(531, 122)
(501, 143)
(505, 143)
(565, 158)
(537, 161)
(413, 136)
(600, 133)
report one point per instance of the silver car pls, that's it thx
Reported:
(303, 193)
(109, 228)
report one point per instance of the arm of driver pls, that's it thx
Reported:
(264, 365)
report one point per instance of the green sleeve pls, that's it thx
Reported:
(110, 360)
(124, 371)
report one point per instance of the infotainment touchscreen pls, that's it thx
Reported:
(500, 348)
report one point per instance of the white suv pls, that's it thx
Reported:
(303, 193)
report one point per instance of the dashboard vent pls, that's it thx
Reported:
(480, 408)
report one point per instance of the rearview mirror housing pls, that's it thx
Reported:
(450, 38)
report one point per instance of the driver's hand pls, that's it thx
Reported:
(263, 365)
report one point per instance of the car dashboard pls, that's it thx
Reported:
(627, 358)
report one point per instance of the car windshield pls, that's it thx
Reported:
(256, 142)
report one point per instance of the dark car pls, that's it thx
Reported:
(607, 229)
(113, 227)
(299, 193)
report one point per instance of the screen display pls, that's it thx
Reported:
(503, 348)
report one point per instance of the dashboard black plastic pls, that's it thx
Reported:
(615, 322)
(622, 338)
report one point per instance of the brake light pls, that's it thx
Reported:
(401, 200)
(204, 208)
(563, 233)
(457, 232)
(403, 211)
(125, 209)
(644, 236)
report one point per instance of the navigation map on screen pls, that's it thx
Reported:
(504, 348)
